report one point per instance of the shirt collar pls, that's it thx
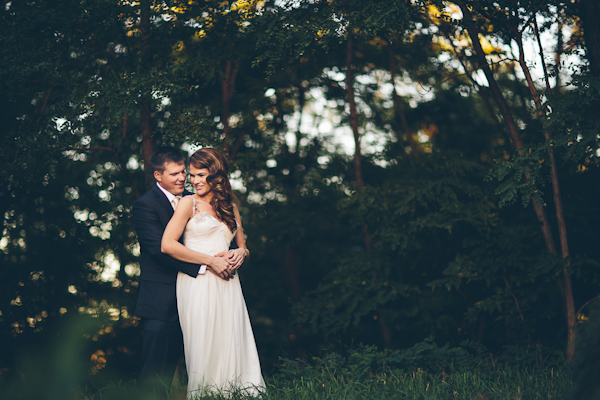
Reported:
(170, 196)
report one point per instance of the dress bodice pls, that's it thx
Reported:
(206, 234)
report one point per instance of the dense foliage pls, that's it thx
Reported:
(406, 170)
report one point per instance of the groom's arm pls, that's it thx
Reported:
(149, 230)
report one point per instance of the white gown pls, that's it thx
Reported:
(220, 351)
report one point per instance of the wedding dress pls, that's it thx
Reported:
(220, 351)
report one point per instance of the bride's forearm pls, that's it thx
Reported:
(182, 253)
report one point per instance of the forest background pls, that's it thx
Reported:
(409, 172)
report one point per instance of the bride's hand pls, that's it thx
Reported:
(236, 257)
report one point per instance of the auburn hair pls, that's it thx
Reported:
(218, 181)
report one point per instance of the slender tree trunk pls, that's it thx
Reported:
(147, 144)
(145, 101)
(354, 124)
(353, 114)
(589, 12)
(122, 162)
(234, 150)
(542, 59)
(483, 92)
(398, 109)
(292, 262)
(507, 116)
(299, 134)
(493, 85)
(558, 54)
(566, 287)
(44, 105)
(227, 87)
(382, 318)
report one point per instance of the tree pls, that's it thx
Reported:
(510, 20)
(398, 239)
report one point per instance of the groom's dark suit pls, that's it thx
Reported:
(157, 304)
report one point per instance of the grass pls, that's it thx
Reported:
(424, 371)
(324, 384)
(510, 384)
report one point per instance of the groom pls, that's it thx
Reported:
(162, 341)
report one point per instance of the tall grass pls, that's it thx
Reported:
(323, 384)
(424, 371)
(479, 385)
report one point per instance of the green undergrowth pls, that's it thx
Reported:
(424, 371)
(321, 383)
(480, 385)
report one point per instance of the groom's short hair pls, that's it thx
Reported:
(164, 155)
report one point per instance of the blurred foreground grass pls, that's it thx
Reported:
(60, 370)
(323, 384)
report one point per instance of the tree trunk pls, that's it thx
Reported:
(44, 105)
(509, 121)
(566, 286)
(382, 318)
(589, 12)
(483, 92)
(147, 144)
(398, 110)
(145, 101)
(542, 59)
(558, 55)
(122, 162)
(227, 86)
(353, 114)
(354, 124)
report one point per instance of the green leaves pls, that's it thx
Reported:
(521, 177)
(418, 222)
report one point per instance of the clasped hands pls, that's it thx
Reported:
(226, 263)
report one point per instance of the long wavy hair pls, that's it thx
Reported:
(218, 180)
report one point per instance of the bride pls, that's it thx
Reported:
(220, 352)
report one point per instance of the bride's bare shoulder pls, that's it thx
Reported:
(187, 200)
(187, 204)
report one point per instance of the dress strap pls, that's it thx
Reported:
(195, 208)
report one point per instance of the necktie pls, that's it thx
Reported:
(174, 202)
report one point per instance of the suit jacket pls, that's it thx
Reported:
(156, 295)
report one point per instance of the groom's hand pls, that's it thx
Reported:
(217, 275)
(221, 267)
(227, 255)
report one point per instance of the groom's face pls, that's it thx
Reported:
(172, 178)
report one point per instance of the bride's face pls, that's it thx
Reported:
(198, 180)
